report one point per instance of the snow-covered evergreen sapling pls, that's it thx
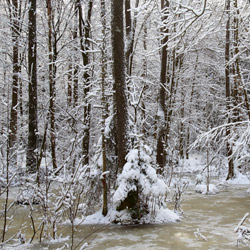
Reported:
(138, 184)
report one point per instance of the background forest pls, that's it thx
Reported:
(104, 100)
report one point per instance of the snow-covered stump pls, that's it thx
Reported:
(243, 232)
(202, 188)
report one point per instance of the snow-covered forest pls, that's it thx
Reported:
(119, 106)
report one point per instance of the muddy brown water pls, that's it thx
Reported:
(215, 216)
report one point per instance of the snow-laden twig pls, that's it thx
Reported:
(241, 222)
(179, 188)
(198, 234)
(243, 232)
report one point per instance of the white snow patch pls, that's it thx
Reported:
(194, 164)
(85, 245)
(239, 179)
(59, 240)
(160, 216)
(19, 246)
(98, 218)
(202, 189)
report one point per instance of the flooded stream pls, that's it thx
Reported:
(215, 217)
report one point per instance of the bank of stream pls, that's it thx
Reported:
(213, 216)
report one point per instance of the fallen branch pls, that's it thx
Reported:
(243, 232)
(241, 222)
(198, 234)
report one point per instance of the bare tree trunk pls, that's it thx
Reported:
(182, 127)
(14, 16)
(75, 70)
(6, 202)
(84, 43)
(70, 77)
(228, 94)
(31, 161)
(144, 76)
(130, 34)
(129, 28)
(15, 35)
(190, 108)
(52, 75)
(160, 157)
(120, 102)
(238, 81)
(104, 104)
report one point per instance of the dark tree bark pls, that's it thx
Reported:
(31, 161)
(129, 28)
(160, 157)
(190, 107)
(84, 32)
(128, 17)
(52, 75)
(182, 126)
(104, 105)
(14, 20)
(228, 92)
(130, 35)
(75, 70)
(69, 93)
(240, 91)
(120, 102)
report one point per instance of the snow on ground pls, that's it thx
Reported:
(239, 179)
(196, 165)
(161, 216)
(202, 189)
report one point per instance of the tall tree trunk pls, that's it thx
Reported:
(104, 104)
(182, 126)
(31, 161)
(160, 157)
(228, 94)
(70, 77)
(52, 76)
(239, 86)
(75, 70)
(144, 77)
(129, 28)
(14, 15)
(84, 32)
(120, 102)
(190, 108)
(130, 34)
(236, 93)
